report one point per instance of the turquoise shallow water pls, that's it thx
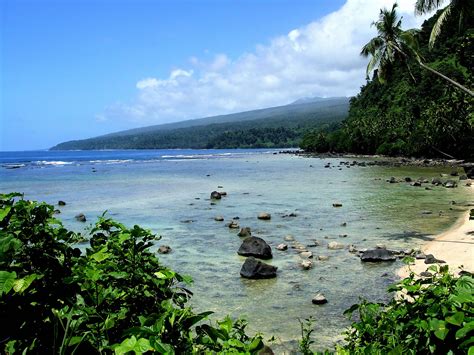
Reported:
(168, 191)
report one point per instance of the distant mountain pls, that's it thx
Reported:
(307, 100)
(281, 126)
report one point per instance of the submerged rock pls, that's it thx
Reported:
(255, 269)
(376, 255)
(61, 203)
(80, 217)
(245, 232)
(218, 218)
(335, 245)
(256, 247)
(164, 249)
(337, 204)
(289, 238)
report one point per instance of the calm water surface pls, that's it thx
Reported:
(168, 192)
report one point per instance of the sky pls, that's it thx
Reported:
(74, 69)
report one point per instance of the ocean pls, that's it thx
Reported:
(168, 191)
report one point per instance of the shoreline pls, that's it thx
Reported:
(455, 246)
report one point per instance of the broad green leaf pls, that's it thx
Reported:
(101, 255)
(20, 285)
(7, 280)
(461, 333)
(439, 328)
(456, 319)
(4, 212)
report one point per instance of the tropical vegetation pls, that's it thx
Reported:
(111, 295)
(405, 109)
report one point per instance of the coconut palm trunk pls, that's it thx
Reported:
(455, 83)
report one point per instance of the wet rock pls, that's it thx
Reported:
(307, 264)
(392, 180)
(342, 235)
(215, 195)
(289, 238)
(450, 184)
(57, 211)
(352, 249)
(408, 179)
(218, 218)
(420, 256)
(323, 258)
(292, 214)
(264, 216)
(377, 255)
(164, 249)
(233, 225)
(416, 183)
(245, 232)
(255, 269)
(282, 247)
(223, 193)
(80, 217)
(337, 204)
(380, 246)
(430, 259)
(306, 255)
(187, 221)
(61, 203)
(426, 212)
(319, 299)
(335, 246)
(256, 247)
(436, 181)
(344, 224)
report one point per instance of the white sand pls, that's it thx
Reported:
(455, 246)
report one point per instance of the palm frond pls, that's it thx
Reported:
(439, 23)
(425, 6)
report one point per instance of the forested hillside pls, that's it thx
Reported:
(281, 126)
(412, 111)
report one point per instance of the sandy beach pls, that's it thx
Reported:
(455, 246)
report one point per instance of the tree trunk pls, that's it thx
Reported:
(455, 83)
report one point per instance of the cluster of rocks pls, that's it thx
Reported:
(434, 181)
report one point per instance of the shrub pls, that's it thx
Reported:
(114, 297)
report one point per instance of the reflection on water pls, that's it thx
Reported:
(162, 194)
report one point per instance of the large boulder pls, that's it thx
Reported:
(376, 255)
(255, 269)
(256, 247)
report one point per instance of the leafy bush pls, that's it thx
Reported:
(115, 296)
(429, 315)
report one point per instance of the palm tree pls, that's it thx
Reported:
(461, 9)
(393, 44)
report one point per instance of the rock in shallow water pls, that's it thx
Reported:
(256, 247)
(255, 269)
(264, 216)
(282, 247)
(245, 232)
(215, 195)
(80, 217)
(319, 299)
(164, 249)
(376, 255)
(335, 245)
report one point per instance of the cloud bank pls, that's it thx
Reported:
(319, 59)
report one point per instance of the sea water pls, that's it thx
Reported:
(168, 191)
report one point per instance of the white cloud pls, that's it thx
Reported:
(319, 59)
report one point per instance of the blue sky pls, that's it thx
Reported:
(75, 69)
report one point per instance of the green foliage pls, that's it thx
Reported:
(268, 128)
(114, 297)
(305, 342)
(414, 113)
(429, 315)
